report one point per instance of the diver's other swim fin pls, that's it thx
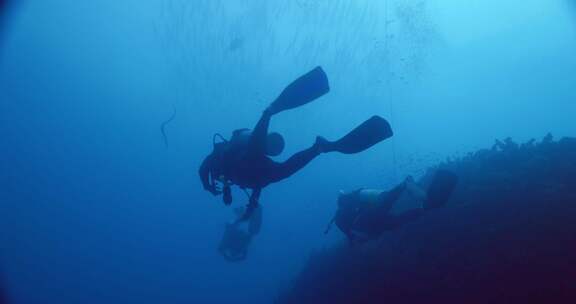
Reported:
(301, 91)
(369, 133)
(443, 184)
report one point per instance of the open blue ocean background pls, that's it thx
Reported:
(96, 208)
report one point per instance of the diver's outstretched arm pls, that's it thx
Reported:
(205, 175)
(204, 172)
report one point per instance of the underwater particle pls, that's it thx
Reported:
(235, 44)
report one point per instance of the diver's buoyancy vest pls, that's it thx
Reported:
(350, 205)
(229, 152)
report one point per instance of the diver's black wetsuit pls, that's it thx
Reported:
(249, 166)
(362, 216)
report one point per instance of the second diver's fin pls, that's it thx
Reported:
(301, 91)
(369, 133)
(443, 184)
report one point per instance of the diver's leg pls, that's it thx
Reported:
(293, 164)
(257, 143)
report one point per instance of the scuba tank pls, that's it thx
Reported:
(274, 141)
(232, 151)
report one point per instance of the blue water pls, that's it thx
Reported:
(95, 208)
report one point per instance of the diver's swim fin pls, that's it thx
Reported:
(369, 133)
(301, 91)
(443, 184)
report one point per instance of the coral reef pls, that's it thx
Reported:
(508, 235)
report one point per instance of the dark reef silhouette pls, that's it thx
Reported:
(3, 296)
(508, 235)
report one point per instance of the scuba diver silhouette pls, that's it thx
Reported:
(364, 214)
(245, 161)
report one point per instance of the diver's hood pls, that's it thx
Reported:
(274, 144)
